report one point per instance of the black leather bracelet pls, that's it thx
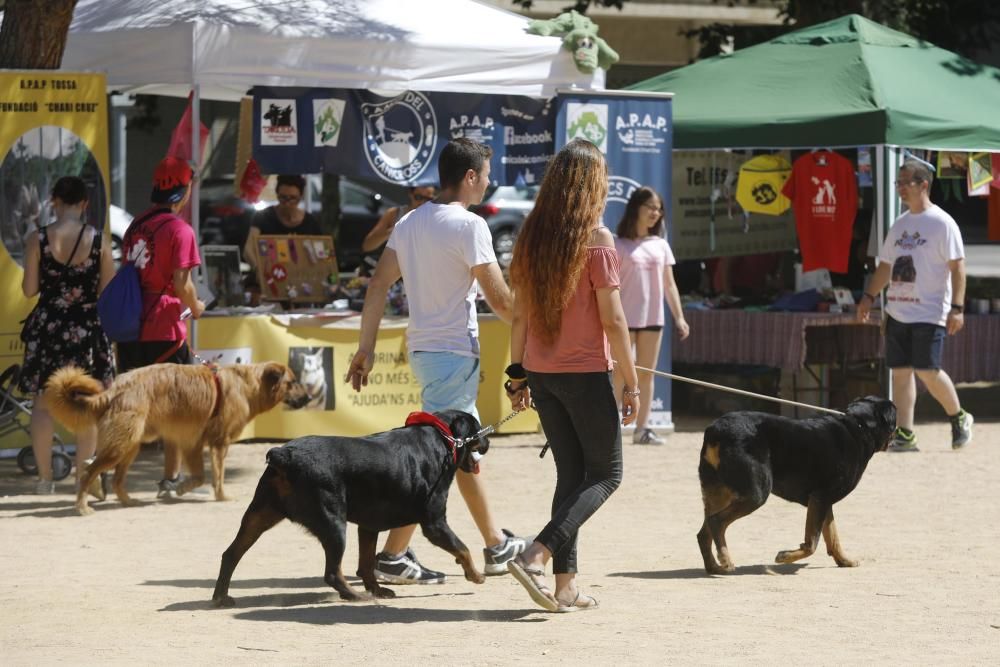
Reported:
(958, 308)
(516, 372)
(870, 296)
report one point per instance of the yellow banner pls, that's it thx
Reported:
(319, 354)
(52, 124)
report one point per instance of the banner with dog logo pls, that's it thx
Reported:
(635, 133)
(318, 352)
(397, 137)
(709, 218)
(52, 124)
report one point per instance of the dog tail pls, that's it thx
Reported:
(74, 398)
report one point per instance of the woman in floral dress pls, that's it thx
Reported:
(67, 266)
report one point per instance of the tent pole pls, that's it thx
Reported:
(195, 189)
(887, 209)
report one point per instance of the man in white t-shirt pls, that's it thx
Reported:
(441, 251)
(923, 263)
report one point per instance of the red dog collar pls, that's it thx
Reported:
(427, 419)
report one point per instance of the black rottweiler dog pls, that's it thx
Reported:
(382, 481)
(813, 462)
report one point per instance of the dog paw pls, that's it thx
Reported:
(846, 562)
(354, 596)
(475, 577)
(383, 593)
(84, 510)
(720, 569)
(224, 602)
(789, 556)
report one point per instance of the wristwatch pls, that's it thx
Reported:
(958, 308)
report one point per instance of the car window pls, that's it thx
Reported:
(514, 193)
(354, 196)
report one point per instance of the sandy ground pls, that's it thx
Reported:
(131, 586)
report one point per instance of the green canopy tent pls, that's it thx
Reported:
(846, 82)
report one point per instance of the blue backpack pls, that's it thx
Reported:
(119, 306)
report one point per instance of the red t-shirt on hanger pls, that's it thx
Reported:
(824, 194)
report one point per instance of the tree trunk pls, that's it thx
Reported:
(33, 34)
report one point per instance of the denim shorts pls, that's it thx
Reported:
(918, 345)
(448, 381)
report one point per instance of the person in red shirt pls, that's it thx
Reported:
(163, 247)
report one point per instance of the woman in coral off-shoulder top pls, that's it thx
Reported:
(567, 327)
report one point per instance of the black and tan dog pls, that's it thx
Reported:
(814, 462)
(382, 481)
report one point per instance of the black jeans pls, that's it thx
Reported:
(580, 419)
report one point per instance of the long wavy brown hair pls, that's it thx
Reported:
(551, 249)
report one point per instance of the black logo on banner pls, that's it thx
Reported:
(400, 135)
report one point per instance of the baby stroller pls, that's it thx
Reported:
(12, 408)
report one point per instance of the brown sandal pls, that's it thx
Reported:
(533, 581)
(579, 603)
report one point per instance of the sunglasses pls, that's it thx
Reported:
(658, 209)
(288, 199)
(423, 198)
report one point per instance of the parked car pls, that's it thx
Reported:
(361, 206)
(504, 208)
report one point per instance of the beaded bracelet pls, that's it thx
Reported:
(626, 392)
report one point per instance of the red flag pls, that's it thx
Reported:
(180, 140)
(253, 182)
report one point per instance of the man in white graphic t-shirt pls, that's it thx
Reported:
(441, 250)
(923, 263)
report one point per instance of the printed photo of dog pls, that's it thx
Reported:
(193, 407)
(313, 367)
(747, 456)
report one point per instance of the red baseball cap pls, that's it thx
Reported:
(170, 178)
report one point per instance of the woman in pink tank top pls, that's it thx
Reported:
(567, 327)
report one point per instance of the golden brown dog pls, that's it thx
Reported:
(192, 407)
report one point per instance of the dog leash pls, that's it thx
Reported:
(214, 367)
(461, 442)
(742, 392)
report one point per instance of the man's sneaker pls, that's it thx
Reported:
(45, 487)
(961, 429)
(497, 557)
(905, 440)
(167, 488)
(404, 569)
(646, 436)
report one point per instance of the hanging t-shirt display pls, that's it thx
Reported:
(824, 196)
(759, 187)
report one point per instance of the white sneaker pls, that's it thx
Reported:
(646, 436)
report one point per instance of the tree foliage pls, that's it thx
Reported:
(579, 5)
(967, 27)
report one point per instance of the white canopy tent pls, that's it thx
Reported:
(224, 47)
